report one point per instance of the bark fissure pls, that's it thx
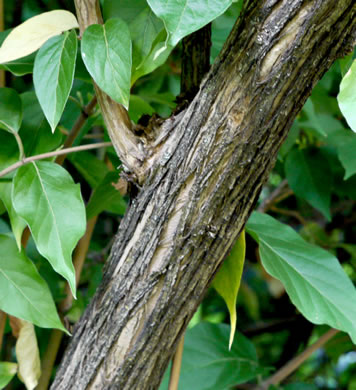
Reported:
(204, 180)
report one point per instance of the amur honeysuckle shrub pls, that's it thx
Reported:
(134, 58)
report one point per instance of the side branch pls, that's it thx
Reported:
(128, 146)
(61, 152)
(295, 363)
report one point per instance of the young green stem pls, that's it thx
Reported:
(55, 153)
(86, 112)
(20, 145)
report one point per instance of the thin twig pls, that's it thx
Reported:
(289, 213)
(49, 358)
(270, 326)
(293, 364)
(86, 112)
(20, 145)
(55, 153)
(176, 364)
(280, 193)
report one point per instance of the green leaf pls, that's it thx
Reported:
(23, 292)
(347, 96)
(53, 74)
(208, 364)
(106, 197)
(10, 110)
(181, 18)
(345, 142)
(45, 196)
(7, 372)
(17, 223)
(35, 132)
(143, 24)
(106, 52)
(157, 57)
(227, 280)
(21, 66)
(313, 278)
(309, 176)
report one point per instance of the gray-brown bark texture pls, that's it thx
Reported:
(205, 173)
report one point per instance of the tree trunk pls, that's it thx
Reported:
(207, 168)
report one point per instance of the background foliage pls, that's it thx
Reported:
(299, 270)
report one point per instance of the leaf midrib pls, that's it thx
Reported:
(50, 207)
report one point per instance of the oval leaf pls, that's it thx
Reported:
(227, 280)
(23, 292)
(207, 364)
(313, 278)
(21, 66)
(347, 96)
(27, 354)
(155, 58)
(53, 75)
(181, 18)
(143, 24)
(106, 52)
(45, 196)
(10, 110)
(310, 177)
(32, 34)
(7, 372)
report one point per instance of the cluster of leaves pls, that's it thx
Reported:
(127, 58)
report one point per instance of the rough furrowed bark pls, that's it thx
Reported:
(206, 173)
